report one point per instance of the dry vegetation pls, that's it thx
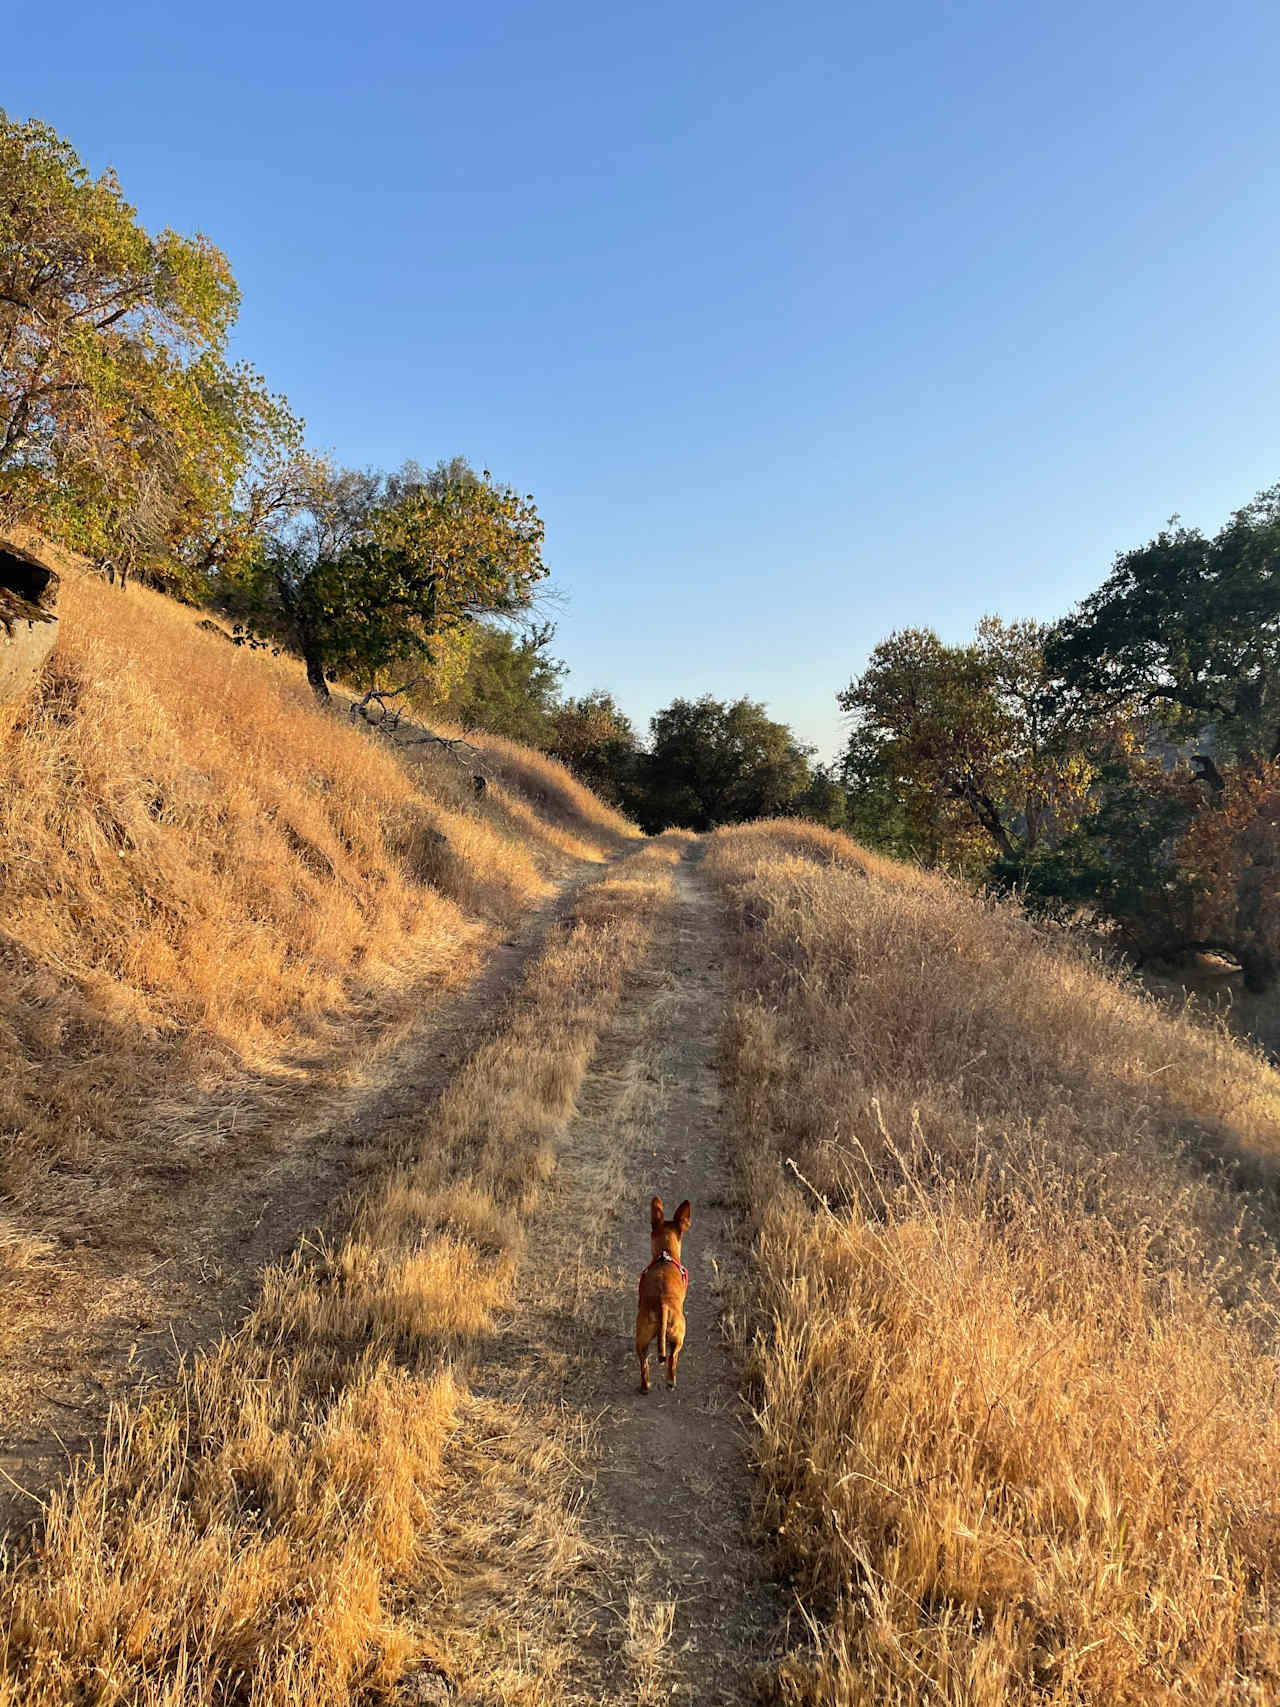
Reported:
(282, 1528)
(1016, 1380)
(207, 879)
(533, 785)
(1015, 1302)
(1213, 987)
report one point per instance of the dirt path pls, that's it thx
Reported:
(679, 1608)
(223, 1193)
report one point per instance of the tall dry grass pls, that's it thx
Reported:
(205, 877)
(1016, 1376)
(543, 786)
(279, 1530)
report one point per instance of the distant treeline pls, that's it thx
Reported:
(1123, 762)
(703, 762)
(1124, 759)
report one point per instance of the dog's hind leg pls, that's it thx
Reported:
(644, 1333)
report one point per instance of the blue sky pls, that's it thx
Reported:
(800, 323)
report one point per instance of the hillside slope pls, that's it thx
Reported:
(202, 871)
(1016, 1327)
(222, 908)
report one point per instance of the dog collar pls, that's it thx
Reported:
(666, 1256)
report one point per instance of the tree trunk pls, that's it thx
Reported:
(1207, 771)
(987, 813)
(1259, 968)
(315, 669)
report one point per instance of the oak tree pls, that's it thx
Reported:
(968, 741)
(122, 424)
(711, 762)
(594, 737)
(1188, 628)
(375, 572)
(505, 681)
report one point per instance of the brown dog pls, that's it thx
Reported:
(662, 1288)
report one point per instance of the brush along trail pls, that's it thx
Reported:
(192, 1216)
(670, 1601)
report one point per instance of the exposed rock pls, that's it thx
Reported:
(428, 1686)
(28, 617)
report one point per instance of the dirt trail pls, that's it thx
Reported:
(229, 1191)
(678, 1608)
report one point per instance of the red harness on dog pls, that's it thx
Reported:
(665, 1256)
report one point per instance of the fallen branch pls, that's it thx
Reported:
(387, 720)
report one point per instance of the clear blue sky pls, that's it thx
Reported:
(801, 323)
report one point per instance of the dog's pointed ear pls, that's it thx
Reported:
(655, 1214)
(684, 1215)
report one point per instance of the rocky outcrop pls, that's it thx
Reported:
(28, 616)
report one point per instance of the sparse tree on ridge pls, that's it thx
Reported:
(377, 571)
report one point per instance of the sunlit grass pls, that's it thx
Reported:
(278, 1530)
(1016, 1382)
(205, 875)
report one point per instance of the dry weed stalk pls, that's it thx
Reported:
(1017, 1386)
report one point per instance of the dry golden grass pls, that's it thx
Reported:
(205, 877)
(282, 1528)
(554, 794)
(532, 797)
(647, 1647)
(1016, 1381)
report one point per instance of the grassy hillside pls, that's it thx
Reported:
(1015, 1375)
(208, 881)
(282, 1529)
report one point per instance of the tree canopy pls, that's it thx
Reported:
(1057, 759)
(373, 572)
(122, 423)
(507, 683)
(594, 737)
(712, 762)
(967, 742)
(1188, 628)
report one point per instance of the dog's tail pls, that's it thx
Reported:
(663, 1312)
